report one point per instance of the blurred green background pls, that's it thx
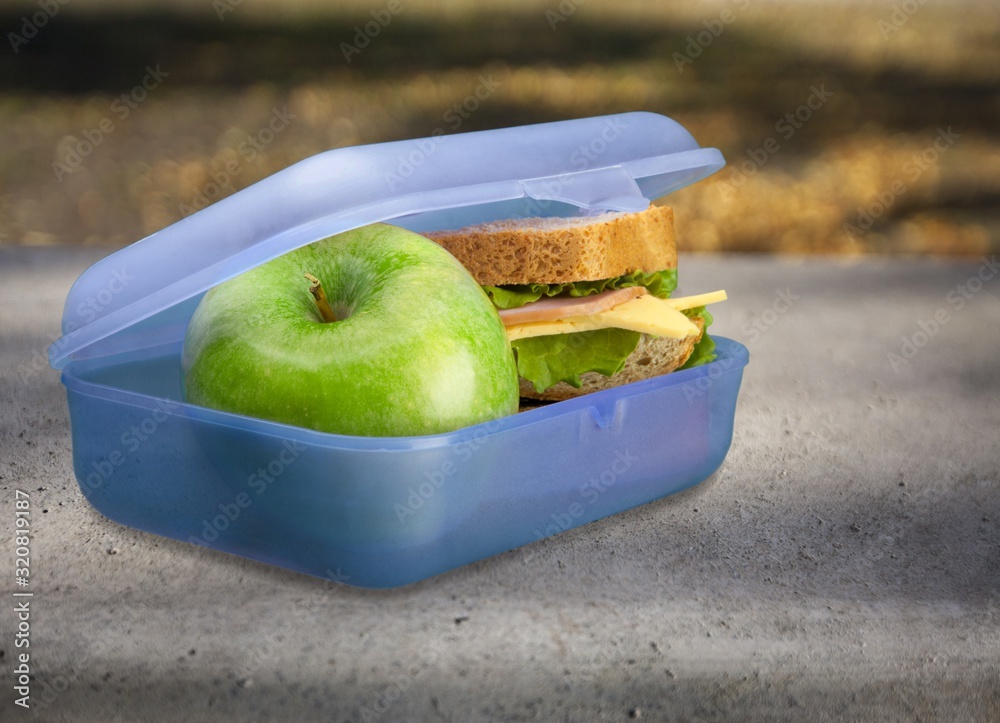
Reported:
(848, 127)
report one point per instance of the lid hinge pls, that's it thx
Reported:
(601, 189)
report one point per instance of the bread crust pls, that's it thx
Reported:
(652, 357)
(556, 250)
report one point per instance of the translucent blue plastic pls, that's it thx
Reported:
(381, 512)
(367, 511)
(614, 162)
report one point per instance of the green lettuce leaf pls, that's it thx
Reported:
(547, 360)
(704, 350)
(659, 283)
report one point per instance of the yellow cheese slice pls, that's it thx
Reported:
(690, 302)
(646, 314)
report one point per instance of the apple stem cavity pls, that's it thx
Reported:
(316, 289)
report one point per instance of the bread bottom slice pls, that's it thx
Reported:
(653, 356)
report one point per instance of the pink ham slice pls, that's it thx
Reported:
(558, 308)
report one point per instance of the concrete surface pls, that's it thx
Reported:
(842, 565)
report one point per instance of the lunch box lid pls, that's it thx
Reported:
(605, 163)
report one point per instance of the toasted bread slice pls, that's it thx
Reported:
(653, 356)
(557, 250)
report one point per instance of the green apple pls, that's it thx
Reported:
(413, 345)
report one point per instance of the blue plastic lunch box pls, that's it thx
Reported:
(381, 511)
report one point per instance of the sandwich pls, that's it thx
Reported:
(586, 300)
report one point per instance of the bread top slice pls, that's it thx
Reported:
(558, 250)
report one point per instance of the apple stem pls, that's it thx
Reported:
(316, 289)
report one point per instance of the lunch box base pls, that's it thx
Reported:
(385, 512)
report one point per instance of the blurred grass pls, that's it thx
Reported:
(896, 82)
